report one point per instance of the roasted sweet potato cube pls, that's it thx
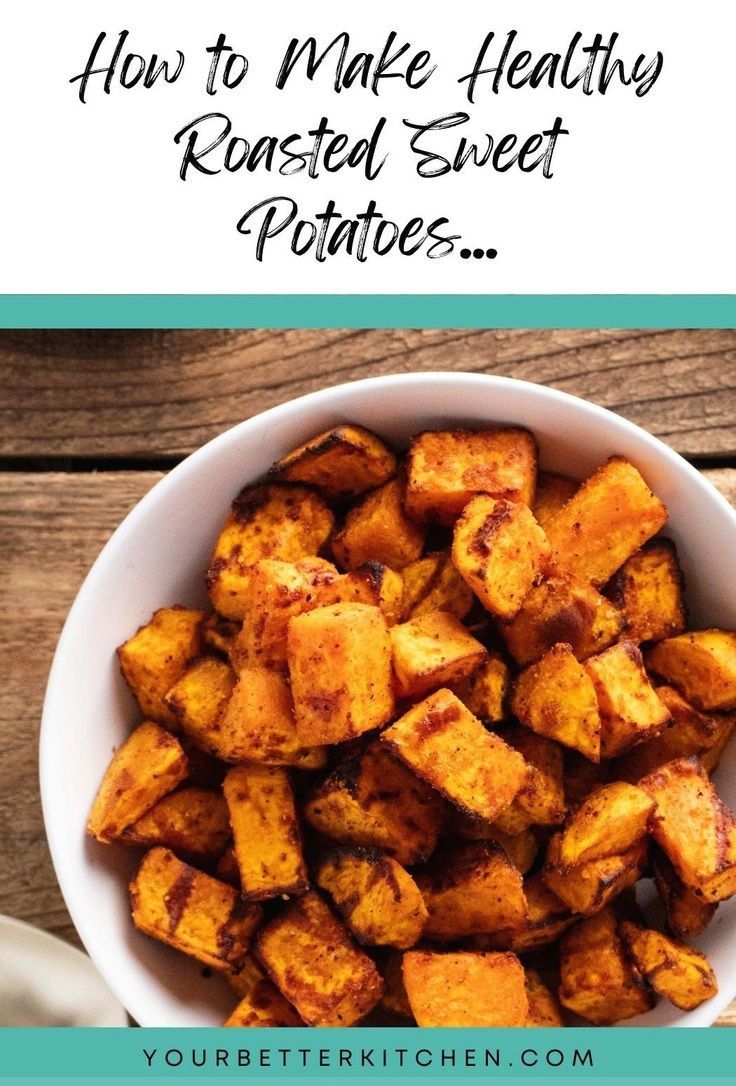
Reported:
(259, 724)
(265, 521)
(192, 821)
(581, 777)
(419, 576)
(374, 584)
(606, 521)
(148, 765)
(198, 700)
(562, 610)
(445, 745)
(521, 848)
(544, 1008)
(341, 463)
(218, 633)
(548, 917)
(394, 998)
(266, 833)
(191, 911)
(552, 492)
(686, 912)
(648, 589)
(261, 1003)
(443, 590)
(433, 650)
(610, 821)
(372, 800)
(629, 707)
(487, 689)
(447, 468)
(312, 959)
(465, 988)
(590, 886)
(379, 530)
(341, 676)
(597, 979)
(556, 698)
(157, 655)
(500, 551)
(470, 890)
(542, 798)
(377, 898)
(678, 972)
(693, 827)
(702, 665)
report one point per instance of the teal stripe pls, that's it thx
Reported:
(368, 311)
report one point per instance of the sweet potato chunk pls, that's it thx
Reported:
(678, 972)
(702, 665)
(553, 491)
(586, 889)
(445, 745)
(541, 800)
(442, 590)
(544, 1009)
(693, 827)
(261, 1003)
(157, 655)
(548, 917)
(521, 848)
(648, 589)
(191, 911)
(465, 988)
(610, 821)
(266, 521)
(342, 462)
(377, 898)
(487, 689)
(265, 831)
(686, 912)
(313, 961)
(378, 530)
(609, 518)
(597, 980)
(419, 576)
(433, 650)
(447, 468)
(556, 697)
(198, 700)
(500, 551)
(374, 584)
(193, 821)
(149, 764)
(471, 890)
(629, 707)
(372, 800)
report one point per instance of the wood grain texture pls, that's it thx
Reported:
(163, 393)
(52, 525)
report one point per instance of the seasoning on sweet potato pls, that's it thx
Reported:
(191, 911)
(649, 591)
(394, 998)
(610, 821)
(192, 821)
(465, 988)
(445, 745)
(544, 1008)
(312, 959)
(678, 972)
(702, 665)
(342, 463)
(377, 898)
(521, 848)
(629, 707)
(542, 798)
(688, 915)
(486, 691)
(500, 551)
(552, 492)
(433, 650)
(157, 655)
(148, 765)
(693, 827)
(198, 700)
(447, 468)
(587, 888)
(218, 633)
(261, 1003)
(372, 800)
(379, 530)
(340, 669)
(374, 584)
(556, 698)
(266, 521)
(606, 521)
(266, 833)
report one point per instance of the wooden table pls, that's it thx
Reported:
(89, 421)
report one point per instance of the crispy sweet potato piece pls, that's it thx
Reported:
(542, 798)
(377, 898)
(266, 832)
(693, 827)
(313, 961)
(378, 530)
(648, 589)
(606, 521)
(447, 468)
(686, 912)
(597, 980)
(500, 551)
(265, 521)
(340, 668)
(150, 763)
(198, 700)
(487, 689)
(157, 655)
(261, 1003)
(444, 744)
(544, 1009)
(521, 848)
(586, 889)
(556, 697)
(471, 890)
(218, 633)
(678, 972)
(191, 911)
(193, 821)
(465, 988)
(629, 707)
(342, 462)
(443, 590)
(372, 800)
(702, 665)
(610, 821)
(394, 998)
(553, 491)
(433, 650)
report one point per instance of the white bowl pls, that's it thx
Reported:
(158, 556)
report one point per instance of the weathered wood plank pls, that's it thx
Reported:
(147, 394)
